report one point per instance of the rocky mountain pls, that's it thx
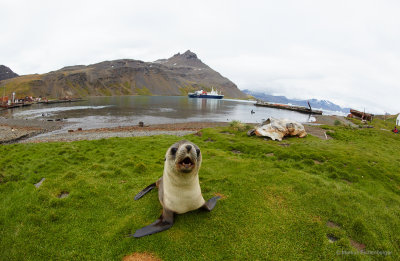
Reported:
(317, 104)
(6, 73)
(178, 75)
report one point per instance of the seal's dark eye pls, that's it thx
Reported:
(173, 151)
(198, 152)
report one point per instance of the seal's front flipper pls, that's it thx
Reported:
(144, 191)
(163, 223)
(210, 204)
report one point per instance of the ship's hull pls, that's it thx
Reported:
(208, 96)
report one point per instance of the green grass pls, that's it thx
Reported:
(20, 85)
(143, 91)
(277, 199)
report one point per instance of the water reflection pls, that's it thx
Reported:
(99, 112)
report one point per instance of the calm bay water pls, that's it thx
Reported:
(101, 112)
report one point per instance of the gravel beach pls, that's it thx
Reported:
(13, 130)
(34, 131)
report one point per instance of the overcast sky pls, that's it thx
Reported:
(346, 51)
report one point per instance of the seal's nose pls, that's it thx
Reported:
(188, 147)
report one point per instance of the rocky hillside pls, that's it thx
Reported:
(6, 73)
(178, 75)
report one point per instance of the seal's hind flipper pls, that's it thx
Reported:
(210, 204)
(163, 223)
(144, 191)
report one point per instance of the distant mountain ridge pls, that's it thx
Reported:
(316, 104)
(177, 75)
(6, 73)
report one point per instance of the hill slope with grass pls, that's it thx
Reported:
(304, 199)
(178, 75)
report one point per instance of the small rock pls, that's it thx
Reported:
(63, 194)
(37, 185)
(251, 132)
(332, 238)
(70, 130)
(141, 124)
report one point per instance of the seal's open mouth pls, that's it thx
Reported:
(186, 164)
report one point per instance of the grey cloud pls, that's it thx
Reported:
(344, 51)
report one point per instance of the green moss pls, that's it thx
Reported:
(143, 91)
(273, 207)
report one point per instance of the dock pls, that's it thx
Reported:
(18, 105)
(288, 107)
(60, 101)
(14, 105)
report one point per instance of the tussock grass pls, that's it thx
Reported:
(277, 199)
(240, 126)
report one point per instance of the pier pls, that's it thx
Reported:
(288, 107)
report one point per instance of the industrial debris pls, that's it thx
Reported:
(301, 109)
(276, 129)
(361, 115)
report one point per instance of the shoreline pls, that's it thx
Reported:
(36, 131)
(177, 129)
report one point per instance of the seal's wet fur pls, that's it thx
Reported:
(179, 188)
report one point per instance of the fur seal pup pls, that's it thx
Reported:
(178, 188)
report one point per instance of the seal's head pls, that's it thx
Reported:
(183, 157)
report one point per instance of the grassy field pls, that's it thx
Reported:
(307, 199)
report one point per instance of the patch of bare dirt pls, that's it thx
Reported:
(332, 224)
(227, 133)
(331, 119)
(220, 195)
(356, 245)
(347, 181)
(199, 134)
(317, 132)
(141, 257)
(195, 126)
